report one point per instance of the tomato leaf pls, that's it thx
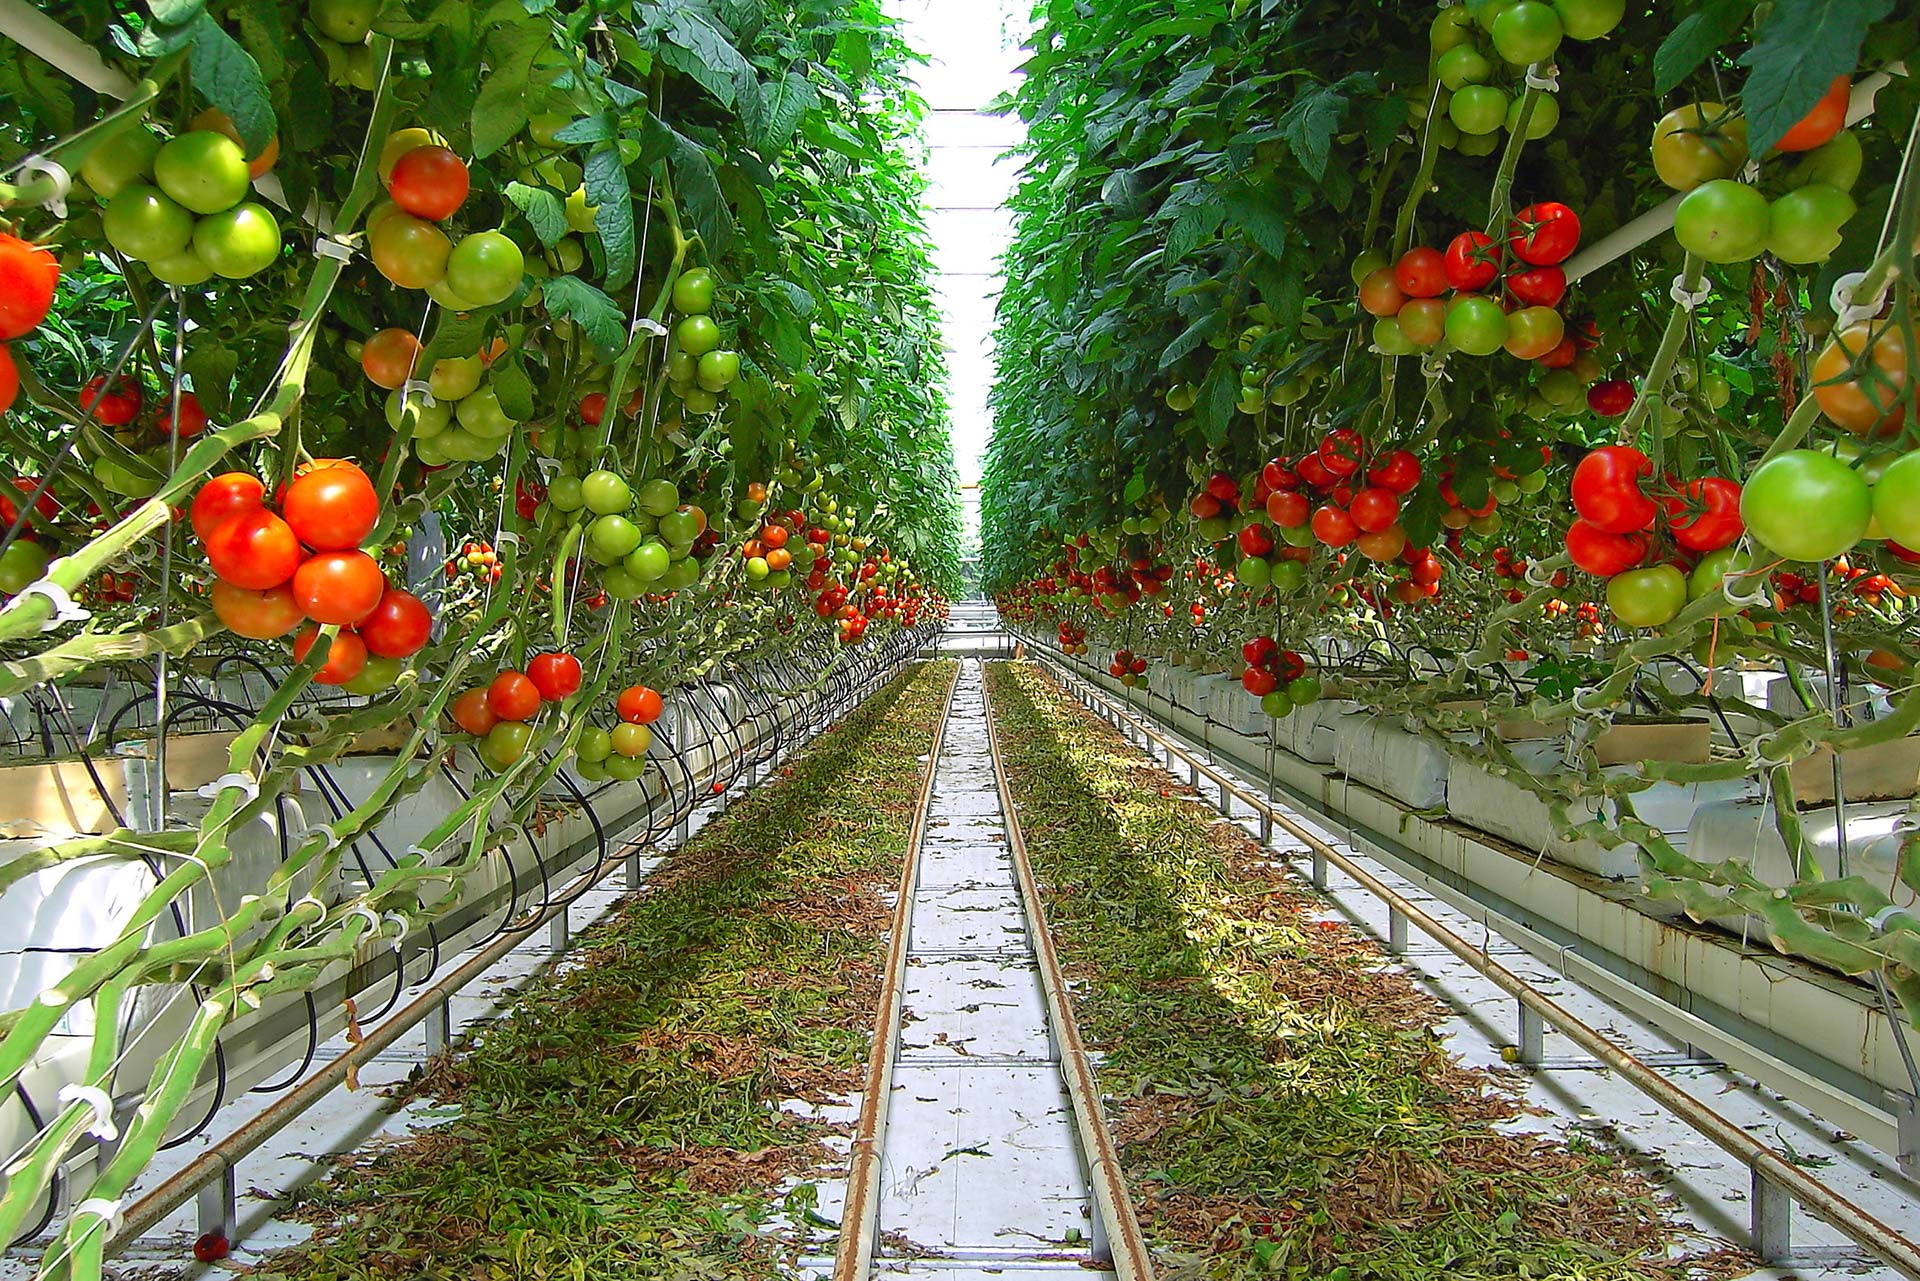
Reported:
(606, 183)
(500, 111)
(1217, 399)
(1189, 342)
(1255, 213)
(227, 76)
(574, 299)
(782, 103)
(699, 191)
(1310, 121)
(544, 210)
(694, 47)
(1799, 49)
(1694, 38)
(509, 381)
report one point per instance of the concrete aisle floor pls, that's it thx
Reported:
(982, 1166)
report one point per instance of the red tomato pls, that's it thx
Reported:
(1611, 398)
(429, 182)
(1397, 470)
(1373, 509)
(339, 587)
(1472, 261)
(1705, 516)
(470, 711)
(1314, 472)
(1561, 357)
(193, 419)
(1544, 234)
(1288, 508)
(1538, 286)
(1606, 489)
(258, 615)
(1340, 452)
(513, 697)
(253, 548)
(1604, 554)
(398, 627)
(224, 496)
(554, 675)
(1826, 118)
(1255, 541)
(345, 658)
(640, 705)
(1421, 273)
(28, 275)
(112, 407)
(1259, 651)
(1258, 681)
(1334, 527)
(9, 378)
(331, 506)
(1277, 475)
(1380, 294)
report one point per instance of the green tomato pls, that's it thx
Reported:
(505, 744)
(485, 268)
(1710, 573)
(697, 335)
(757, 569)
(649, 561)
(463, 446)
(428, 420)
(685, 573)
(347, 21)
(595, 744)
(626, 769)
(456, 377)
(377, 677)
(1722, 221)
(1461, 66)
(1527, 32)
(1253, 571)
(567, 493)
(203, 171)
(121, 161)
(1804, 225)
(1289, 575)
(693, 292)
(631, 740)
(1506, 491)
(22, 563)
(239, 243)
(1390, 340)
(1806, 505)
(658, 497)
(699, 401)
(1304, 690)
(569, 254)
(1648, 597)
(145, 223)
(612, 538)
(481, 414)
(606, 493)
(1589, 19)
(621, 584)
(1532, 482)
(1476, 325)
(592, 771)
(679, 527)
(1478, 110)
(1543, 121)
(1276, 704)
(184, 269)
(1835, 163)
(719, 369)
(1451, 28)
(1896, 500)
(1717, 390)
(579, 212)
(444, 294)
(429, 451)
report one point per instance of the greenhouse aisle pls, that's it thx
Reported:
(980, 1159)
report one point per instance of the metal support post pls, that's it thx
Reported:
(1533, 1034)
(1396, 932)
(217, 1199)
(1226, 800)
(1266, 827)
(557, 933)
(1906, 1114)
(439, 1028)
(1772, 1220)
(634, 871)
(1319, 870)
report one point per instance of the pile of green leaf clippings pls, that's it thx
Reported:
(625, 1120)
(1287, 1108)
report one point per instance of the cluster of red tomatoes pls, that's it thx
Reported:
(1073, 637)
(478, 559)
(426, 185)
(1353, 508)
(1615, 535)
(1127, 667)
(274, 571)
(1869, 586)
(119, 404)
(620, 753)
(28, 276)
(1277, 677)
(498, 712)
(1521, 315)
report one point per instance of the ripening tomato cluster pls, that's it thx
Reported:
(478, 559)
(700, 370)
(1277, 677)
(180, 206)
(426, 185)
(1430, 295)
(1073, 638)
(29, 274)
(1619, 528)
(1127, 667)
(498, 712)
(276, 570)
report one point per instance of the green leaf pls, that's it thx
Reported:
(698, 190)
(211, 367)
(606, 183)
(457, 335)
(544, 210)
(1309, 123)
(1218, 396)
(1799, 49)
(1191, 229)
(510, 382)
(782, 104)
(227, 76)
(1258, 216)
(1189, 342)
(500, 111)
(596, 314)
(695, 48)
(1694, 38)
